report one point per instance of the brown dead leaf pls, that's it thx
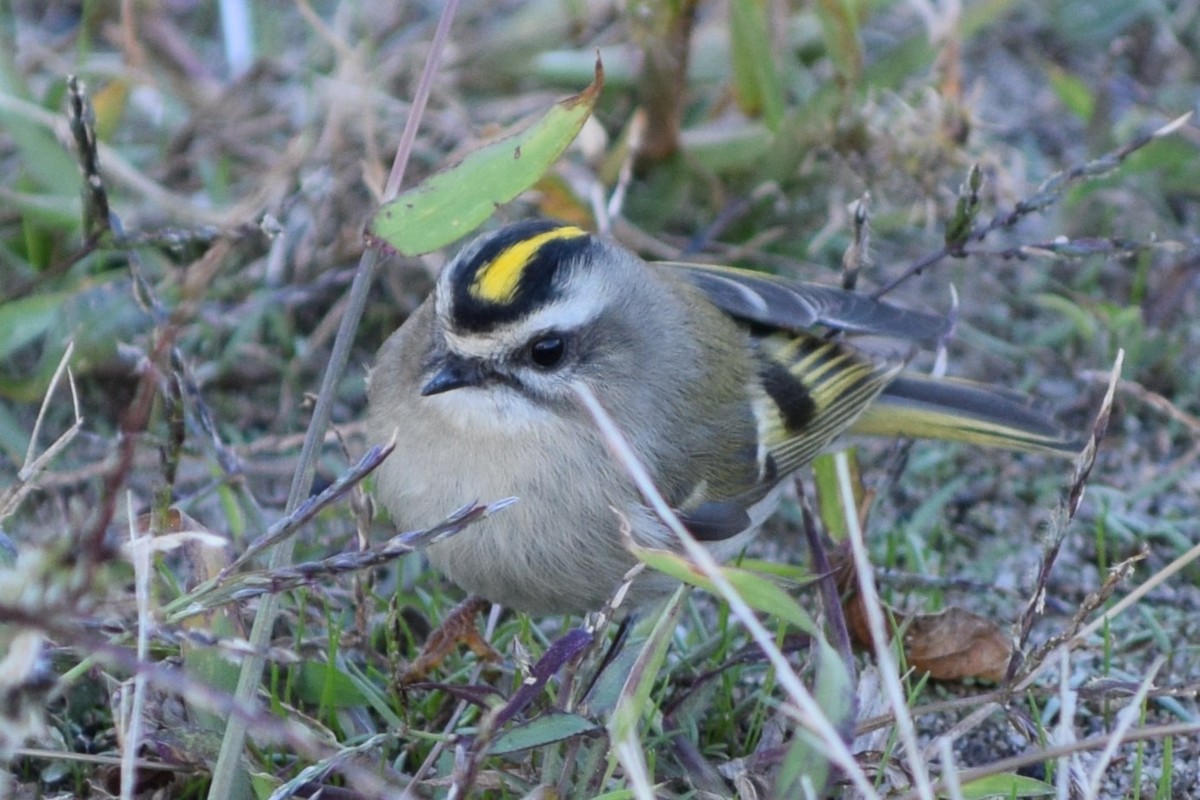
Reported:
(952, 645)
(203, 555)
(955, 644)
(458, 628)
(204, 552)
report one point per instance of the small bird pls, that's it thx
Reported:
(724, 381)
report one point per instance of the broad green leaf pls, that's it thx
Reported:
(635, 695)
(758, 591)
(95, 317)
(787, 574)
(829, 496)
(634, 699)
(22, 321)
(545, 729)
(1008, 785)
(264, 784)
(606, 690)
(213, 669)
(452, 203)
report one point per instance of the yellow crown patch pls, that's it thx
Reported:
(497, 280)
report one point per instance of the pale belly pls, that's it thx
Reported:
(559, 548)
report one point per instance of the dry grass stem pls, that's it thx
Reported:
(880, 641)
(809, 713)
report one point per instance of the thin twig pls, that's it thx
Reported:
(136, 709)
(1083, 468)
(227, 766)
(880, 642)
(1047, 194)
(12, 496)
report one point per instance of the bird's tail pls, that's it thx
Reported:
(963, 411)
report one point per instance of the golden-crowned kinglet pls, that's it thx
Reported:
(714, 375)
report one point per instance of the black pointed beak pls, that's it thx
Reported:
(453, 372)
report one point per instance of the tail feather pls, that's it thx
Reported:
(963, 411)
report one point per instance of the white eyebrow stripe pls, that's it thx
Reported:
(477, 345)
(564, 315)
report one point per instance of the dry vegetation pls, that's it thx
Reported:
(157, 378)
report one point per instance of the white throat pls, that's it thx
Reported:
(488, 410)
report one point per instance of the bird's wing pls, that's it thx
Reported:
(776, 302)
(958, 410)
(810, 391)
(806, 392)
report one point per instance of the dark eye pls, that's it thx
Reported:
(547, 351)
